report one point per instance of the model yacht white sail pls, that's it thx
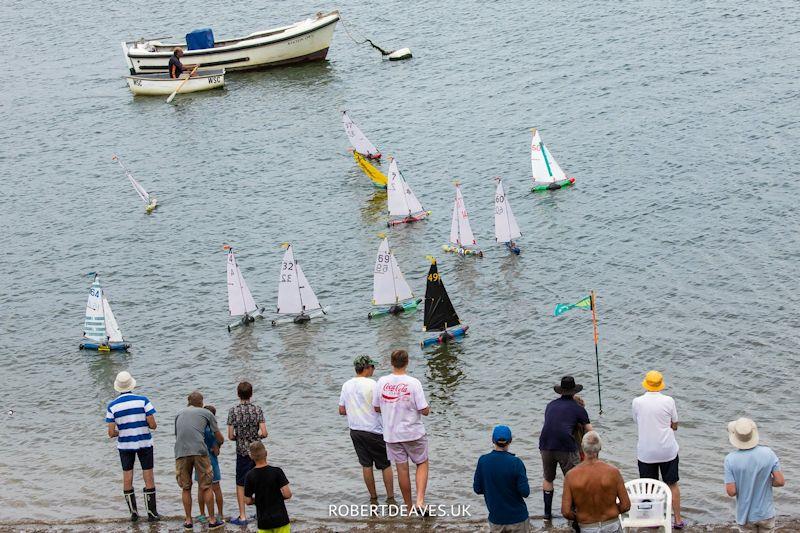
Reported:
(390, 291)
(296, 298)
(462, 240)
(240, 301)
(150, 201)
(505, 225)
(403, 203)
(358, 140)
(547, 173)
(100, 329)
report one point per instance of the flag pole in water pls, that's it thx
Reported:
(587, 303)
(596, 355)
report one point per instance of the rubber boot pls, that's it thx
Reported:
(150, 503)
(130, 499)
(548, 504)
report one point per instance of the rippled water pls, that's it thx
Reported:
(679, 121)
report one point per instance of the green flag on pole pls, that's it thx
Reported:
(585, 303)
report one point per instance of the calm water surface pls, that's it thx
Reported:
(680, 122)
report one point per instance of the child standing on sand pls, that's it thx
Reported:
(267, 487)
(213, 455)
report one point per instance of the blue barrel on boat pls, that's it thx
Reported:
(200, 39)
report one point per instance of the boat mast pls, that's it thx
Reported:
(505, 203)
(299, 292)
(239, 277)
(394, 280)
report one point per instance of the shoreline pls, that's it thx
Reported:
(334, 525)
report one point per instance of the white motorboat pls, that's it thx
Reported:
(160, 84)
(307, 40)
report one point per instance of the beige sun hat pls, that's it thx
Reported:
(743, 433)
(124, 382)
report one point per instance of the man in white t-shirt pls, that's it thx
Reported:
(366, 431)
(657, 450)
(400, 401)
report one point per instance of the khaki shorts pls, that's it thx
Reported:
(201, 464)
(762, 526)
(519, 527)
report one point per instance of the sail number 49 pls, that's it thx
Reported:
(433, 277)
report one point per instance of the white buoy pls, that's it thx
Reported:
(403, 53)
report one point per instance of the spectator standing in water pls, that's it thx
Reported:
(557, 445)
(191, 454)
(591, 491)
(266, 486)
(130, 418)
(246, 425)
(750, 473)
(401, 402)
(216, 475)
(366, 429)
(501, 477)
(656, 416)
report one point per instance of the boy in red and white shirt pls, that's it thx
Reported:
(401, 402)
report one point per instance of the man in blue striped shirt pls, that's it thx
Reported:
(130, 417)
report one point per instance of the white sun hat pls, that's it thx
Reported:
(124, 382)
(743, 433)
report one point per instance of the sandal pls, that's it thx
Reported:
(679, 525)
(188, 526)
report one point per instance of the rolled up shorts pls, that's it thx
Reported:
(415, 450)
(200, 464)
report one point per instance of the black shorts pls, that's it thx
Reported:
(669, 471)
(552, 458)
(128, 457)
(243, 465)
(370, 449)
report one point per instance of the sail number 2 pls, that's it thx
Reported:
(286, 276)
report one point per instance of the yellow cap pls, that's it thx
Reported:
(653, 381)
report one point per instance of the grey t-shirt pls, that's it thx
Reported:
(190, 426)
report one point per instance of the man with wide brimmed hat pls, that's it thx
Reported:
(366, 429)
(557, 445)
(750, 473)
(130, 418)
(656, 416)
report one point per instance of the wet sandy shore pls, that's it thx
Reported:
(172, 524)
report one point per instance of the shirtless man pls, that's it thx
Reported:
(591, 490)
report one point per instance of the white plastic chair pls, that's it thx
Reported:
(651, 505)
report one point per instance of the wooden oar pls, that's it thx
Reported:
(180, 85)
